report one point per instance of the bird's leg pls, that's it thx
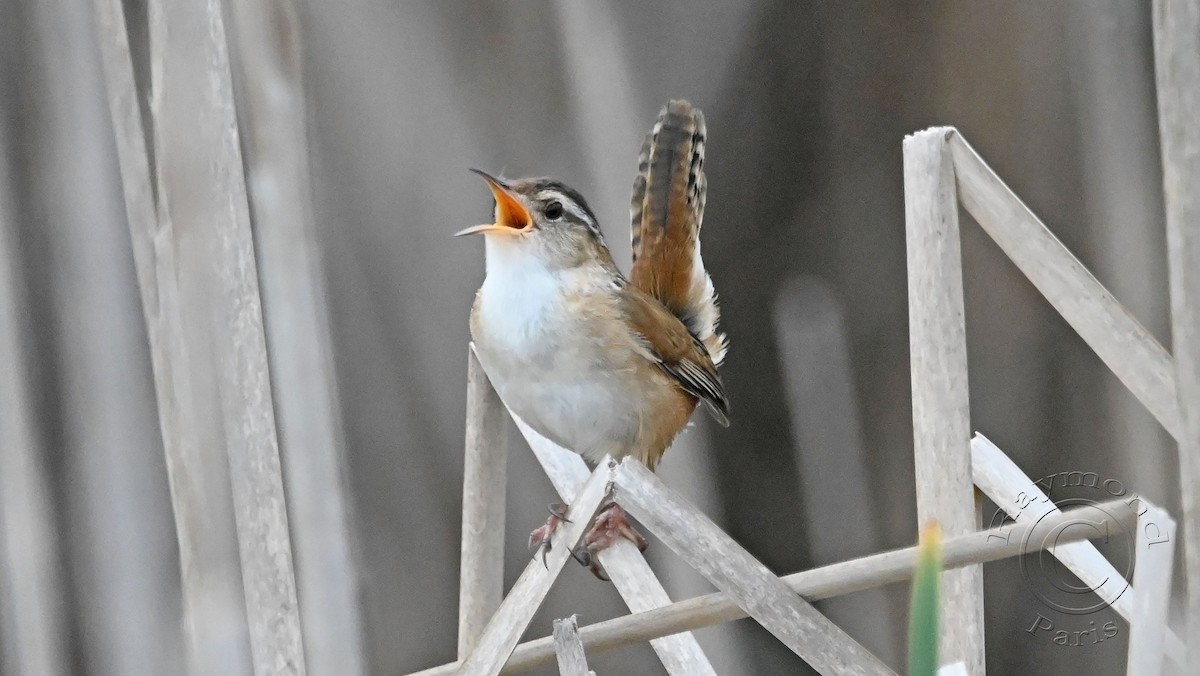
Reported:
(610, 525)
(540, 537)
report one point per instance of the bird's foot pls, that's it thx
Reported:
(540, 537)
(609, 526)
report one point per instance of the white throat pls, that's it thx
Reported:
(521, 297)
(508, 254)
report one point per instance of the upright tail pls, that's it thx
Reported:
(666, 213)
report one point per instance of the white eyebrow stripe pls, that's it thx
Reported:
(568, 204)
(577, 212)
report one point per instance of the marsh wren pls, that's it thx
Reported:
(597, 363)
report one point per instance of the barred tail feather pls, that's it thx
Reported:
(666, 214)
(638, 201)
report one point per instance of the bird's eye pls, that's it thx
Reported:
(554, 211)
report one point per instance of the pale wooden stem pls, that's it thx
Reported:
(220, 364)
(827, 582)
(481, 573)
(680, 653)
(568, 648)
(500, 636)
(214, 620)
(1025, 502)
(1177, 71)
(1134, 356)
(297, 323)
(123, 601)
(938, 351)
(133, 160)
(32, 636)
(766, 598)
(1154, 559)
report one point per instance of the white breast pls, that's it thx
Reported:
(543, 362)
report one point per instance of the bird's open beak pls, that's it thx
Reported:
(511, 216)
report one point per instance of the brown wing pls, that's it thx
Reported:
(666, 213)
(672, 348)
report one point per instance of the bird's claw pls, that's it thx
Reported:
(559, 509)
(610, 525)
(540, 537)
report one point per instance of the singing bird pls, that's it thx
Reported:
(598, 363)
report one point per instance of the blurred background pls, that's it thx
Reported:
(806, 103)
